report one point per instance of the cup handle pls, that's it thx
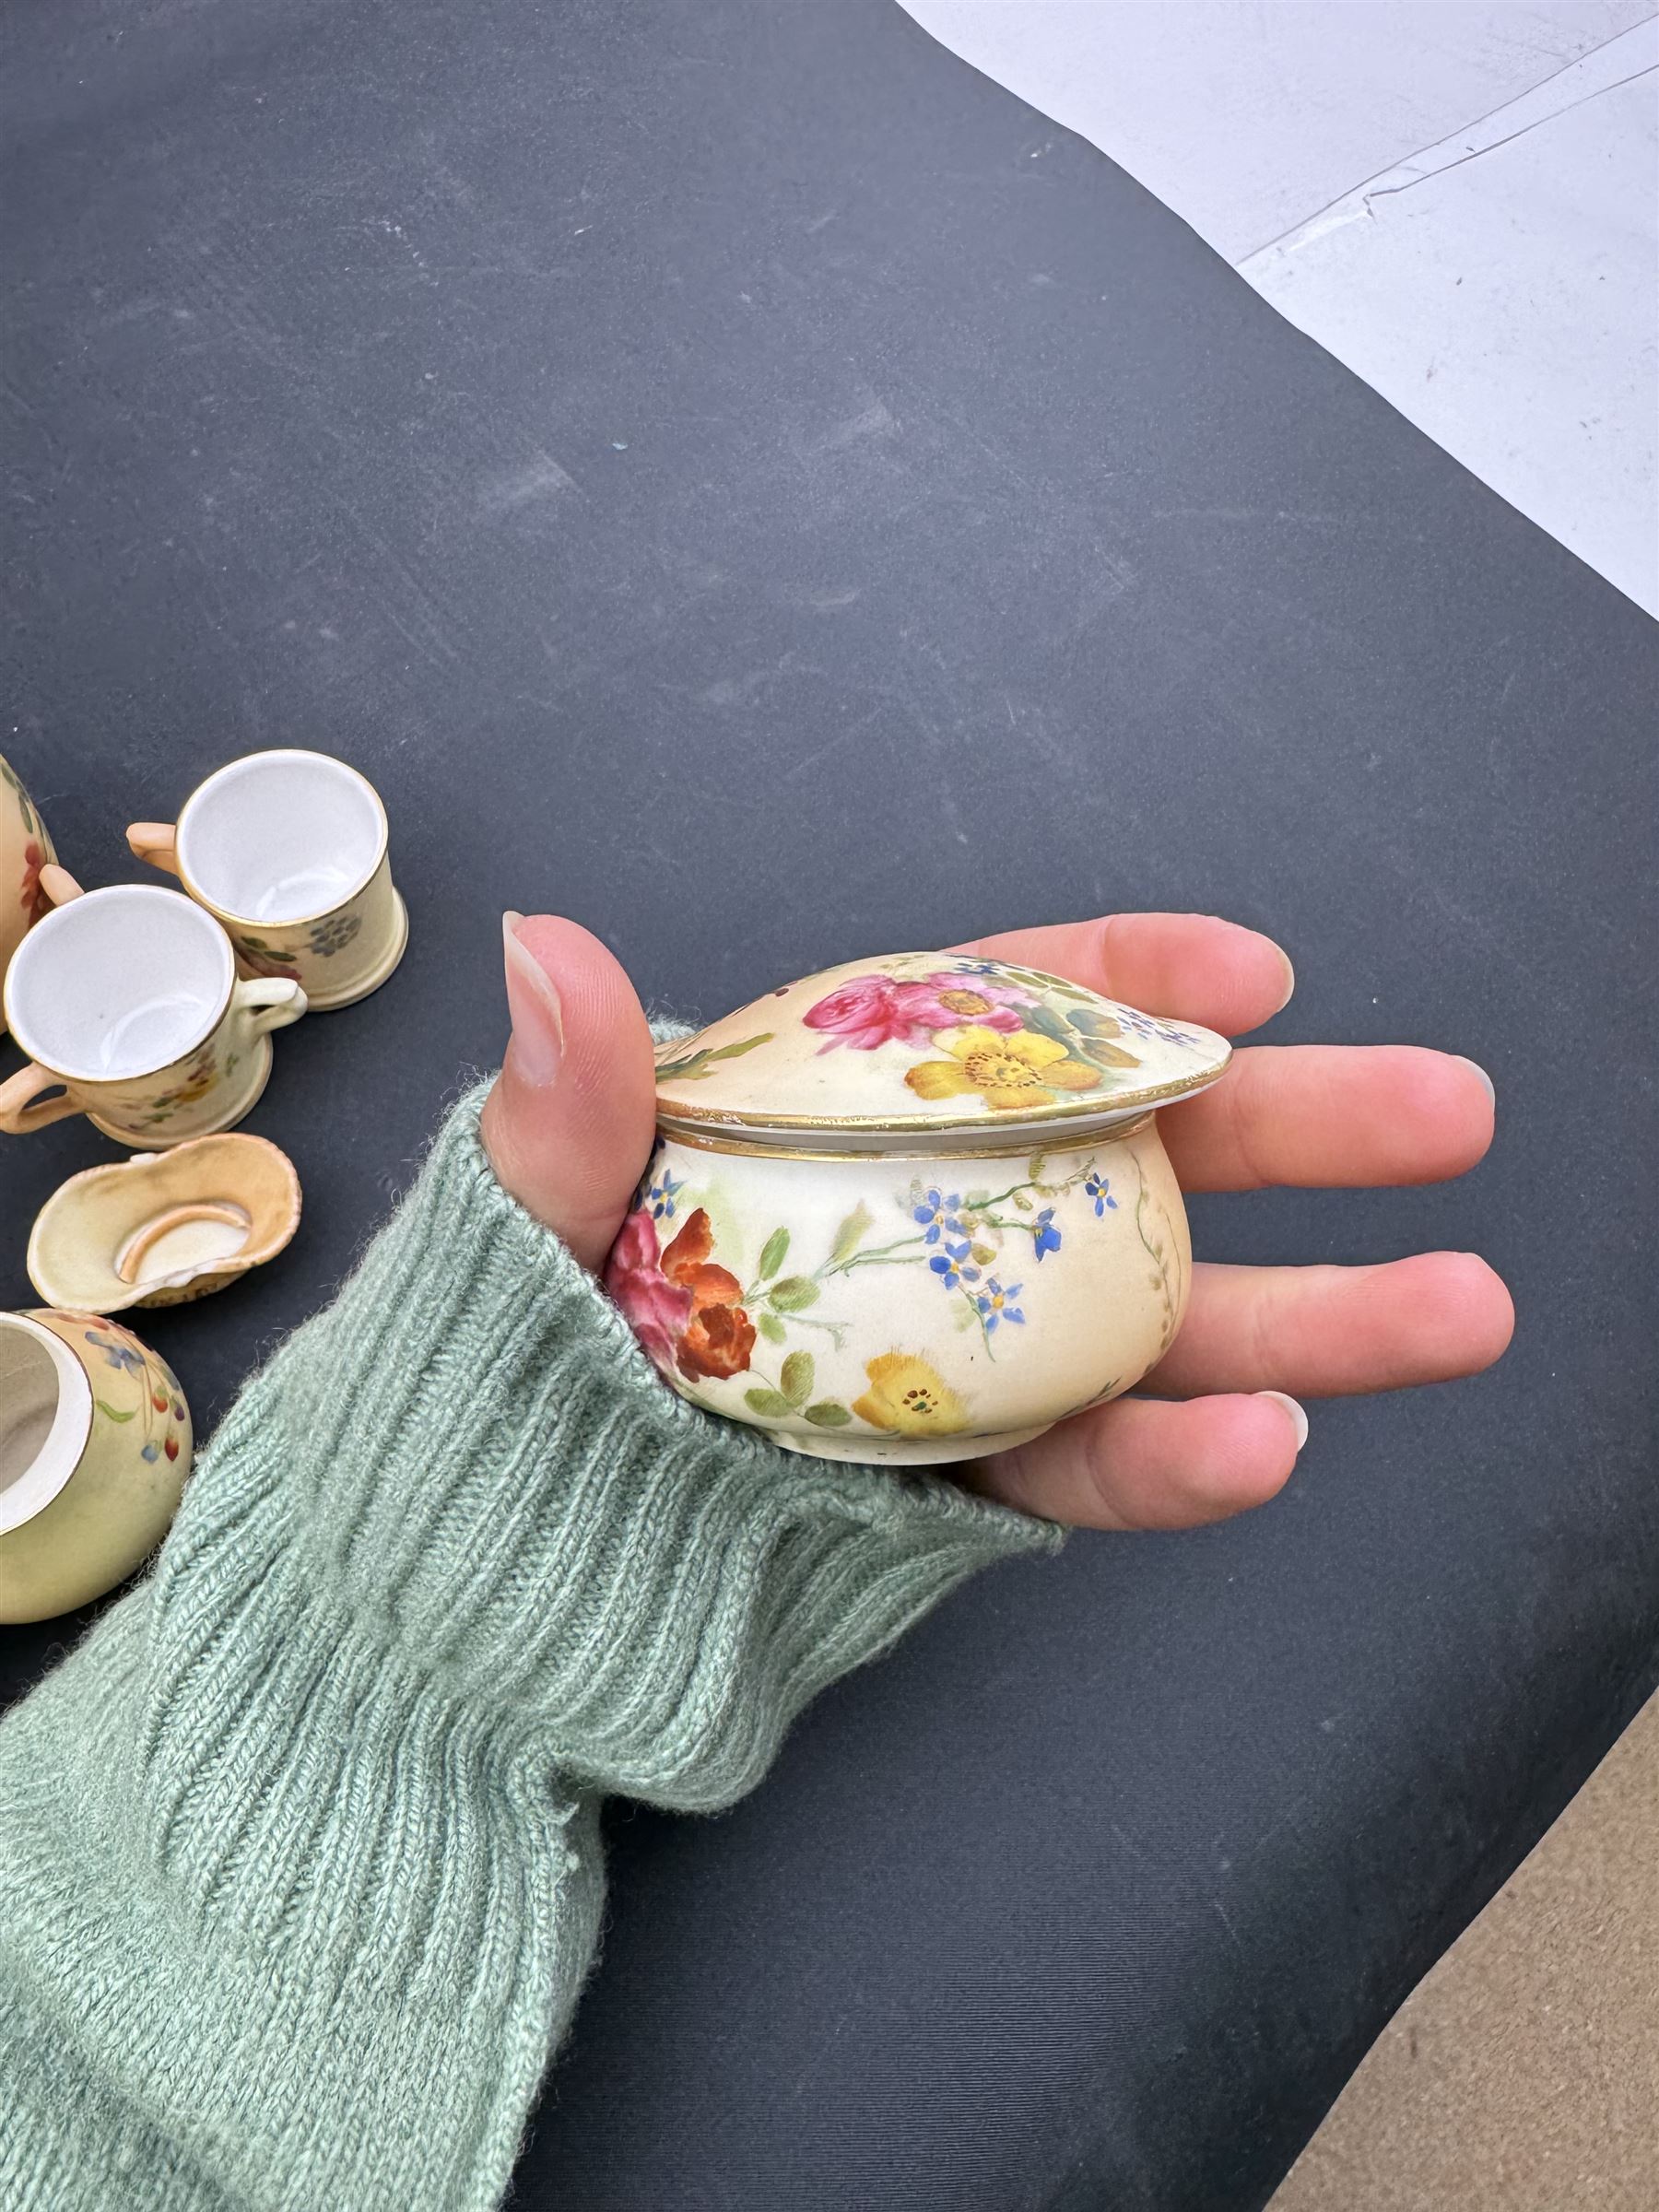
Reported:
(18, 1116)
(272, 1001)
(154, 842)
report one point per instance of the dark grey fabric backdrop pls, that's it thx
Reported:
(732, 474)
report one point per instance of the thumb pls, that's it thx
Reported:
(569, 1124)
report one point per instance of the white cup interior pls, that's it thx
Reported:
(281, 837)
(119, 983)
(45, 1417)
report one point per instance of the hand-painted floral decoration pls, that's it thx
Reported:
(951, 1267)
(937, 1216)
(1008, 1073)
(662, 1195)
(36, 852)
(1006, 1043)
(913, 1207)
(261, 958)
(1098, 1188)
(934, 1040)
(693, 1066)
(683, 1308)
(333, 933)
(908, 1396)
(701, 1322)
(995, 1305)
(158, 1394)
(872, 1010)
(119, 1351)
(199, 1077)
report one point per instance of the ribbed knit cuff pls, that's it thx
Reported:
(468, 1469)
(298, 1860)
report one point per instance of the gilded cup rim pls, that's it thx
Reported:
(71, 915)
(281, 752)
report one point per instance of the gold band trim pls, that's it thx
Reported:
(227, 915)
(1113, 1135)
(104, 1085)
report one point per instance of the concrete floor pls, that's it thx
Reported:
(1523, 2074)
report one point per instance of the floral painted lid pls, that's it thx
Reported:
(940, 1045)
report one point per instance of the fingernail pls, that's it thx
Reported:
(537, 1045)
(1290, 979)
(1299, 1419)
(1491, 1088)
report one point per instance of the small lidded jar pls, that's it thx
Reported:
(913, 1209)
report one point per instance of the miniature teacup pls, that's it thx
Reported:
(128, 998)
(95, 1446)
(25, 850)
(288, 850)
(916, 1208)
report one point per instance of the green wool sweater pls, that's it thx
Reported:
(299, 1870)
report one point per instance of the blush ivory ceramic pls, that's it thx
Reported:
(288, 850)
(95, 1444)
(128, 998)
(164, 1226)
(915, 1208)
(25, 850)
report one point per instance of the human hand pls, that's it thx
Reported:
(1215, 1428)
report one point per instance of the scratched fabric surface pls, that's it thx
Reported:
(734, 474)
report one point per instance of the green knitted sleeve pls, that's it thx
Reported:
(299, 1862)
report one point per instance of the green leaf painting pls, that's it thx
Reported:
(850, 1233)
(798, 1370)
(772, 1404)
(696, 1064)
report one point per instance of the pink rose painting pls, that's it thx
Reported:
(684, 1310)
(657, 1310)
(872, 1010)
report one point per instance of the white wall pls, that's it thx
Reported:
(1460, 200)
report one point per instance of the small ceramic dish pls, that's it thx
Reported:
(913, 1209)
(164, 1226)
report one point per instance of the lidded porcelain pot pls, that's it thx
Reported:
(913, 1209)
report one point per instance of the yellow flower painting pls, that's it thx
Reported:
(1007, 1072)
(908, 1397)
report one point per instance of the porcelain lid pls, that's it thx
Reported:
(934, 1044)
